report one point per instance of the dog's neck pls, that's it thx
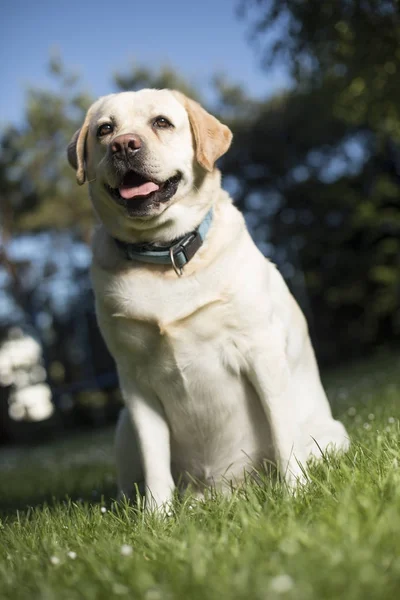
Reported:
(176, 254)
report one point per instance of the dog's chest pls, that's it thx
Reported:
(165, 324)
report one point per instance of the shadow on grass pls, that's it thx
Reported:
(79, 468)
(20, 496)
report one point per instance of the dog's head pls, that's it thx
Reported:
(142, 152)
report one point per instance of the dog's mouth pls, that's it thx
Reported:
(136, 187)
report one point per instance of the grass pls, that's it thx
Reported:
(337, 538)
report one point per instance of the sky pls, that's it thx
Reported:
(97, 38)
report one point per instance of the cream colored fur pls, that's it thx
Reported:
(216, 367)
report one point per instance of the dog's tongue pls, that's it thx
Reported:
(134, 185)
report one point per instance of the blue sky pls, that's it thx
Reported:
(97, 38)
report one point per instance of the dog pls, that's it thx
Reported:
(214, 359)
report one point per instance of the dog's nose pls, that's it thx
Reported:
(126, 144)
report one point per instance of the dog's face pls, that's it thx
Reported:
(143, 151)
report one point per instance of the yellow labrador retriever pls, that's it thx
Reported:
(214, 358)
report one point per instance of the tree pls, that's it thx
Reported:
(354, 43)
(327, 153)
(39, 191)
(138, 77)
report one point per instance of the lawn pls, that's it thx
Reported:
(339, 537)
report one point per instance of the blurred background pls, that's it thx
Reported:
(311, 92)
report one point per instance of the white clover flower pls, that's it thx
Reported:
(153, 594)
(119, 589)
(126, 550)
(367, 426)
(371, 416)
(352, 411)
(54, 560)
(71, 554)
(103, 509)
(391, 420)
(281, 584)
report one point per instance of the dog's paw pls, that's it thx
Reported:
(295, 478)
(296, 482)
(164, 510)
(159, 500)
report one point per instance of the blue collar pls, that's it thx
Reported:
(177, 254)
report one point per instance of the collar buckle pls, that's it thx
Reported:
(190, 244)
(184, 250)
(178, 270)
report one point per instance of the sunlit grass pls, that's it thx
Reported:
(336, 538)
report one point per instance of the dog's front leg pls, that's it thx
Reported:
(153, 440)
(269, 374)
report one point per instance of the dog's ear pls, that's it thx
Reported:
(211, 137)
(76, 151)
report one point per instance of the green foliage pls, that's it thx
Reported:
(336, 538)
(329, 151)
(40, 190)
(138, 77)
(333, 222)
(355, 44)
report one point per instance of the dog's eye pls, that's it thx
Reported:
(162, 123)
(105, 129)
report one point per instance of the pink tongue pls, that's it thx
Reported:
(144, 189)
